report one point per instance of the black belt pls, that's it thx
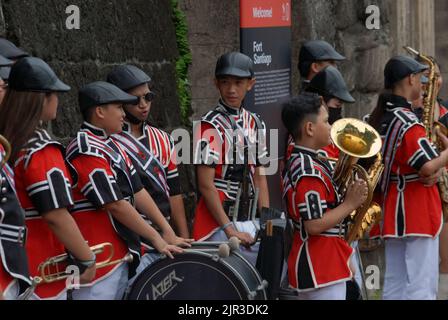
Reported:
(9, 232)
(404, 177)
(338, 231)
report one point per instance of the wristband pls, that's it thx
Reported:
(87, 263)
(228, 224)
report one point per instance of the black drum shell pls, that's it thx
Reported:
(199, 274)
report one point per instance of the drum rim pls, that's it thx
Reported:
(255, 271)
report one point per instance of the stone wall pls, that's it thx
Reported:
(112, 32)
(139, 32)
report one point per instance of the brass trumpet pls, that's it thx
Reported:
(7, 146)
(53, 269)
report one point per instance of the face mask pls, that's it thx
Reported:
(334, 114)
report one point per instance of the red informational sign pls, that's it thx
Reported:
(266, 13)
(266, 39)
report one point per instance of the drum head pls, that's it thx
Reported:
(190, 276)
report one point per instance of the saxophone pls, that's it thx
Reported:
(430, 123)
(355, 140)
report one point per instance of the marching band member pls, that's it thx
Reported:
(106, 187)
(150, 149)
(330, 84)
(11, 51)
(412, 214)
(440, 114)
(222, 135)
(41, 177)
(314, 56)
(318, 263)
(14, 274)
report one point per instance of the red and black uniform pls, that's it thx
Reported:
(14, 262)
(154, 158)
(43, 184)
(102, 173)
(409, 208)
(315, 261)
(220, 139)
(330, 151)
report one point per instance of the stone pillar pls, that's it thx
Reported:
(423, 26)
(412, 24)
(441, 16)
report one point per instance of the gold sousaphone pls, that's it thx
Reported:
(355, 139)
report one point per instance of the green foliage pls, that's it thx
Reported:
(183, 62)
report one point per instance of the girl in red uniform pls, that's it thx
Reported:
(41, 177)
(411, 209)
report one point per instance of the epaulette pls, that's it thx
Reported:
(39, 141)
(87, 145)
(298, 167)
(407, 117)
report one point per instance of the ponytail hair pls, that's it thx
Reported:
(378, 112)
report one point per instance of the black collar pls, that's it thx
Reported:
(230, 110)
(299, 149)
(393, 101)
(127, 128)
(101, 133)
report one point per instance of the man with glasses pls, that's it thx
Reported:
(151, 149)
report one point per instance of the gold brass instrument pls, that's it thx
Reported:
(429, 119)
(54, 269)
(356, 139)
(4, 158)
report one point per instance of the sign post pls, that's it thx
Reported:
(266, 39)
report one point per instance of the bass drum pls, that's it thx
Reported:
(199, 274)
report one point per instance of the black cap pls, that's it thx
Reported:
(234, 64)
(400, 67)
(329, 82)
(127, 77)
(33, 74)
(4, 62)
(318, 50)
(10, 51)
(4, 72)
(100, 93)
